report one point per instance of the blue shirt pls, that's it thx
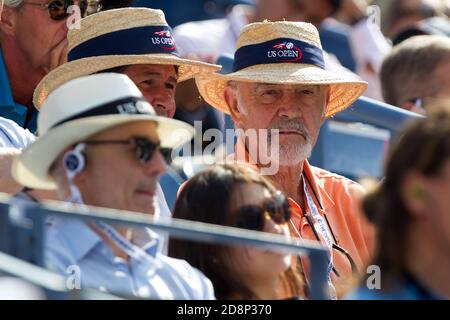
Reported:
(8, 107)
(70, 242)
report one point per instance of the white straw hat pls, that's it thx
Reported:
(84, 107)
(115, 38)
(282, 53)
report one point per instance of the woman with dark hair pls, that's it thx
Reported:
(237, 196)
(411, 209)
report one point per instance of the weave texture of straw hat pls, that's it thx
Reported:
(119, 37)
(281, 53)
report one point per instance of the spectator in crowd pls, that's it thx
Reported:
(416, 72)
(155, 68)
(399, 15)
(270, 89)
(411, 211)
(32, 42)
(216, 196)
(101, 144)
(360, 28)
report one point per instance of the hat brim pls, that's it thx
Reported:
(86, 66)
(343, 91)
(32, 167)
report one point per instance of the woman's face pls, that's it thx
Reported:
(437, 197)
(251, 262)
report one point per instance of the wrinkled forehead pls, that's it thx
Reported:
(247, 85)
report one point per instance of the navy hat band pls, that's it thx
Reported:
(281, 50)
(134, 41)
(125, 106)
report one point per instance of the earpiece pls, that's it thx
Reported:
(74, 160)
(417, 191)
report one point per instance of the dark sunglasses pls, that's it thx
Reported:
(144, 148)
(253, 217)
(57, 9)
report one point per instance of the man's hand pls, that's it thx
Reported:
(7, 182)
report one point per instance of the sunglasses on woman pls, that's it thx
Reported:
(144, 148)
(57, 9)
(253, 217)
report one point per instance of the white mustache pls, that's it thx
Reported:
(289, 125)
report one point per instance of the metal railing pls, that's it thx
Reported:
(189, 230)
(378, 114)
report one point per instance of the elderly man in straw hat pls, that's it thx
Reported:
(133, 41)
(279, 86)
(100, 144)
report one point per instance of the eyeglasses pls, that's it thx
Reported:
(57, 9)
(253, 217)
(144, 149)
(417, 106)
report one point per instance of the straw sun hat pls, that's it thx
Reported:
(116, 38)
(82, 108)
(281, 53)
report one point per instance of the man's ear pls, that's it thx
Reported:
(8, 21)
(231, 100)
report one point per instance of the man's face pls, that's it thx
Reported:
(157, 83)
(297, 111)
(36, 34)
(114, 178)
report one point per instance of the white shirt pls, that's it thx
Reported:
(14, 136)
(211, 38)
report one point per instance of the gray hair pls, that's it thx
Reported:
(13, 3)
